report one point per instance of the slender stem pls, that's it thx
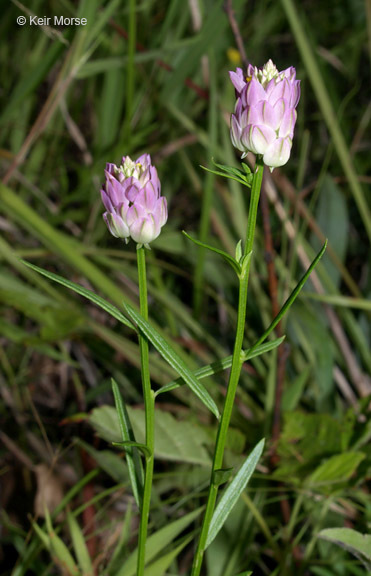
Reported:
(254, 201)
(237, 361)
(149, 407)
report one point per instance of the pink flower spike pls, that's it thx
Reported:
(265, 112)
(132, 198)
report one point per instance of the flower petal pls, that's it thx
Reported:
(278, 153)
(238, 80)
(260, 138)
(253, 93)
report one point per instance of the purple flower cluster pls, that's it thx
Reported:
(264, 118)
(132, 198)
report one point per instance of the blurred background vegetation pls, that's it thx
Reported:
(152, 76)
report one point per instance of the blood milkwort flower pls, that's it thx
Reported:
(265, 112)
(132, 198)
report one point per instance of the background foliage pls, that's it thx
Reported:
(73, 98)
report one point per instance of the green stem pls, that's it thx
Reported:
(149, 407)
(254, 201)
(237, 361)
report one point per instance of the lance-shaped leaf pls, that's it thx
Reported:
(134, 462)
(233, 492)
(175, 361)
(224, 364)
(98, 300)
(231, 261)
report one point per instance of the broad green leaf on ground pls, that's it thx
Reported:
(175, 361)
(354, 542)
(158, 542)
(299, 429)
(98, 300)
(178, 441)
(337, 469)
(233, 492)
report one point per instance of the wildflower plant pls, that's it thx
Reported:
(262, 123)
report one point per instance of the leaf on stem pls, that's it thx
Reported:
(142, 447)
(135, 467)
(231, 261)
(233, 492)
(224, 364)
(243, 176)
(175, 361)
(221, 476)
(98, 300)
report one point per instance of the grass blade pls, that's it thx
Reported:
(79, 546)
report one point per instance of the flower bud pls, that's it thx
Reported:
(132, 198)
(265, 112)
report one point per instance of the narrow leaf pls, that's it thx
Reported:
(224, 364)
(79, 545)
(231, 261)
(233, 492)
(169, 354)
(243, 176)
(98, 300)
(135, 467)
(41, 534)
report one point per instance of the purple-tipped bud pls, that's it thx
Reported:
(264, 118)
(132, 198)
